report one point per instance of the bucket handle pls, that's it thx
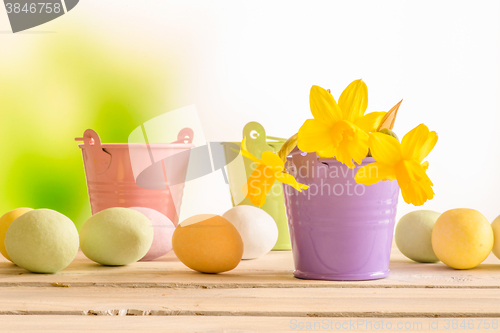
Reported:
(185, 135)
(256, 140)
(254, 133)
(96, 157)
(99, 159)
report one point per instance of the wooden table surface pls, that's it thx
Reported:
(259, 295)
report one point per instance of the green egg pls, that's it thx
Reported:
(116, 236)
(414, 235)
(42, 241)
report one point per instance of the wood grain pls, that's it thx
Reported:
(274, 302)
(274, 270)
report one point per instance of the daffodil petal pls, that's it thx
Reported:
(354, 100)
(314, 135)
(374, 172)
(428, 146)
(323, 106)
(259, 184)
(418, 143)
(272, 160)
(385, 148)
(249, 155)
(326, 152)
(416, 187)
(370, 122)
(287, 178)
(302, 187)
(257, 198)
(413, 140)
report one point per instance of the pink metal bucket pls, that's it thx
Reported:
(112, 182)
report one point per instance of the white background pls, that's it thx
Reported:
(256, 60)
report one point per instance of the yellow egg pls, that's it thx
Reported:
(462, 238)
(5, 222)
(208, 244)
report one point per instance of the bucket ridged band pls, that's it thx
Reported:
(340, 230)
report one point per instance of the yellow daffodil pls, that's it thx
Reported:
(269, 169)
(339, 130)
(402, 162)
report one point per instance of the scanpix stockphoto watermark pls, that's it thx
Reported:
(25, 14)
(373, 324)
(324, 174)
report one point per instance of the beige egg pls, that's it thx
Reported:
(208, 243)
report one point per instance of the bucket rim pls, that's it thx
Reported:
(367, 159)
(239, 142)
(152, 145)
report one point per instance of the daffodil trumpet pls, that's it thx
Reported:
(402, 162)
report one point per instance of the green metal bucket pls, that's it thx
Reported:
(240, 168)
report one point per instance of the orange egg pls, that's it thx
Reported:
(208, 244)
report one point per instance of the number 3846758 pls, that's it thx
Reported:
(33, 8)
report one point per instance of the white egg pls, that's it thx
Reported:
(256, 227)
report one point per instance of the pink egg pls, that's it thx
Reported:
(163, 231)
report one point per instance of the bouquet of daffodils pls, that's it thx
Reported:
(343, 131)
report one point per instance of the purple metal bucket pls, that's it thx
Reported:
(340, 230)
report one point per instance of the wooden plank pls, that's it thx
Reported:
(275, 302)
(239, 324)
(274, 270)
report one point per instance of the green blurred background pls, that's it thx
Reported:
(66, 84)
